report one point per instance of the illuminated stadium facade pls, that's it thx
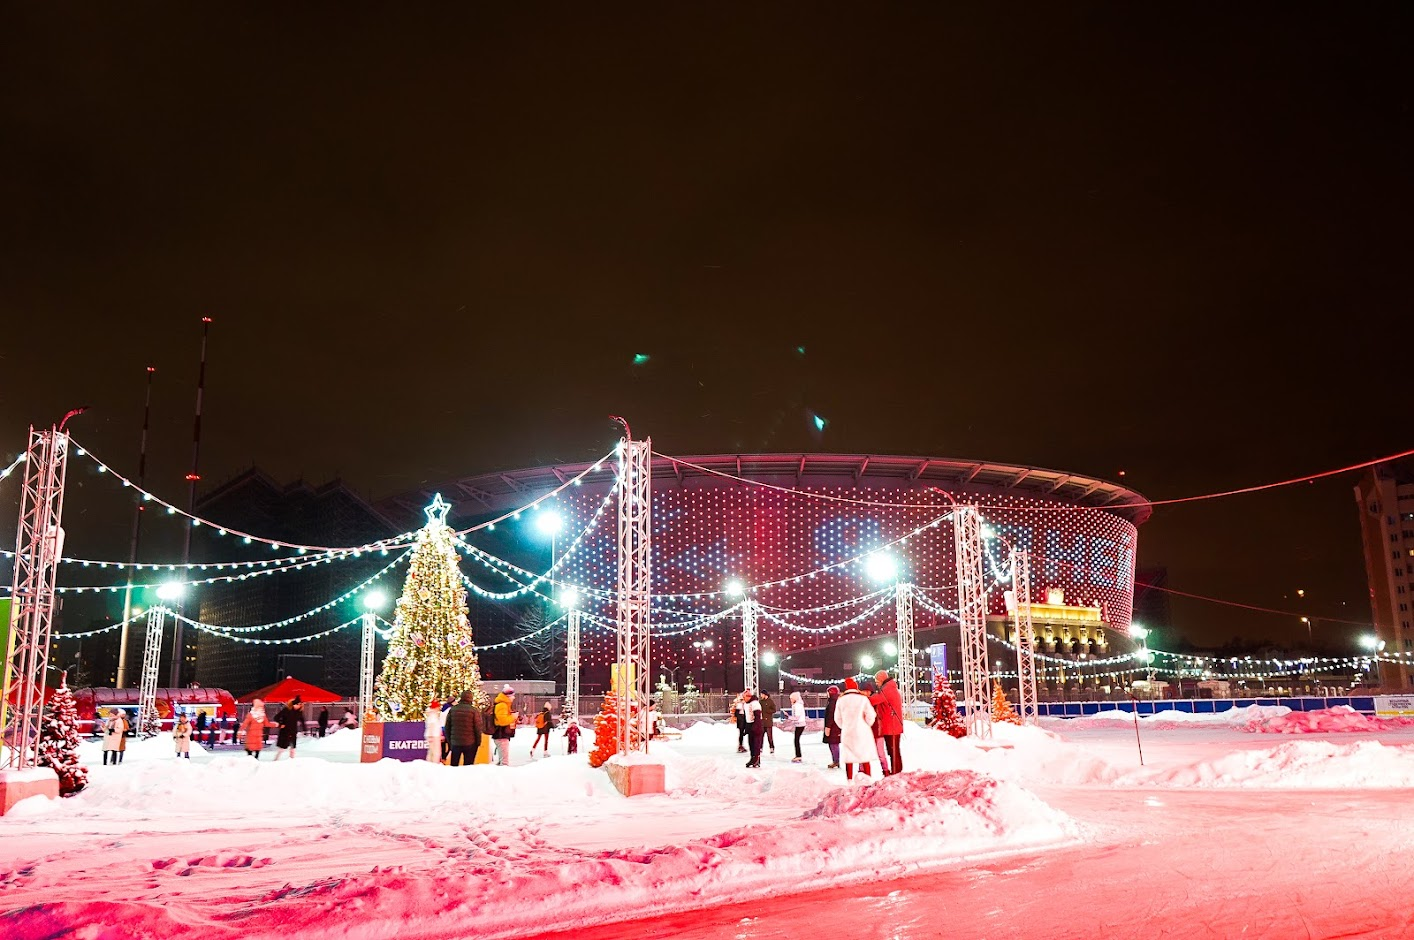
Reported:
(796, 528)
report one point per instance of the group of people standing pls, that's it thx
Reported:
(861, 725)
(455, 732)
(864, 724)
(755, 717)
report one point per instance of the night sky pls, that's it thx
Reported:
(1172, 241)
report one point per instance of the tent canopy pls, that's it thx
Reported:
(288, 688)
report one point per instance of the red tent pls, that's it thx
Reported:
(288, 688)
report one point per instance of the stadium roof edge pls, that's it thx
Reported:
(499, 491)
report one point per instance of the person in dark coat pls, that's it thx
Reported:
(323, 721)
(463, 731)
(768, 719)
(755, 725)
(832, 730)
(888, 704)
(290, 719)
(200, 725)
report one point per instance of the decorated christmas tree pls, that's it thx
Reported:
(1001, 708)
(945, 716)
(606, 729)
(690, 697)
(59, 740)
(430, 653)
(149, 722)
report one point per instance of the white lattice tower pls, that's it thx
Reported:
(1025, 637)
(571, 707)
(750, 651)
(635, 588)
(972, 619)
(147, 721)
(365, 664)
(907, 665)
(38, 547)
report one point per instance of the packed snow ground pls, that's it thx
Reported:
(225, 846)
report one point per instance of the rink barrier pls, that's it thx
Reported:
(1364, 704)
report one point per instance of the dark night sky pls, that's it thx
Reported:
(1168, 240)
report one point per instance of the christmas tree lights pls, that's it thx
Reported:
(430, 650)
(59, 740)
(1001, 708)
(945, 716)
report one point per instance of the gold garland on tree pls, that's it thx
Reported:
(430, 651)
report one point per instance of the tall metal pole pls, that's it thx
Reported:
(750, 656)
(193, 478)
(571, 709)
(634, 588)
(39, 544)
(137, 534)
(1025, 637)
(907, 665)
(972, 619)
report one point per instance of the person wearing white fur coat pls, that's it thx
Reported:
(855, 717)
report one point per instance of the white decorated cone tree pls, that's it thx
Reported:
(945, 716)
(430, 651)
(59, 740)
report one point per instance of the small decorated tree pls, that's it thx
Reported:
(430, 652)
(1001, 708)
(606, 729)
(945, 716)
(688, 701)
(59, 740)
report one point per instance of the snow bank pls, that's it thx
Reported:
(1341, 718)
(1295, 765)
(486, 877)
(1171, 719)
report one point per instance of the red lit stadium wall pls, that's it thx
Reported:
(705, 534)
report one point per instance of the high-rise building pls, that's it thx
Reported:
(1386, 498)
(331, 515)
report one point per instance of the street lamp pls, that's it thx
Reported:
(866, 662)
(171, 591)
(890, 648)
(881, 566)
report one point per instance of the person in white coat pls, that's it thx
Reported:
(855, 717)
(797, 720)
(181, 737)
(433, 732)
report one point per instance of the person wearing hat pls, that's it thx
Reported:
(888, 703)
(115, 730)
(756, 731)
(505, 719)
(855, 716)
(432, 730)
(463, 731)
(544, 724)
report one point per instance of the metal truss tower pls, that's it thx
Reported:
(148, 722)
(750, 652)
(571, 706)
(365, 665)
(635, 588)
(907, 664)
(1025, 637)
(972, 620)
(39, 543)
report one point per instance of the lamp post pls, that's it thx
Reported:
(551, 523)
(702, 646)
(373, 602)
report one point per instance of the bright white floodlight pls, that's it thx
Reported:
(374, 600)
(866, 662)
(768, 659)
(735, 588)
(881, 566)
(890, 648)
(170, 591)
(548, 522)
(569, 598)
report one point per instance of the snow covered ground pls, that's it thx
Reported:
(1051, 832)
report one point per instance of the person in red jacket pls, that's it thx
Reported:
(888, 705)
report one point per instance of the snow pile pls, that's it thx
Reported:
(1171, 719)
(1340, 718)
(485, 876)
(1295, 765)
